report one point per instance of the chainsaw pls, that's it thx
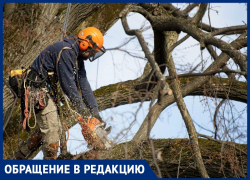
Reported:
(94, 133)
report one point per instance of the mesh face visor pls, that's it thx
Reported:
(96, 52)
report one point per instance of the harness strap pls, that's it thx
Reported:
(76, 64)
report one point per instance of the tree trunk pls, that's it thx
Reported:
(28, 29)
(215, 156)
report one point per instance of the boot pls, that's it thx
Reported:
(50, 152)
(26, 148)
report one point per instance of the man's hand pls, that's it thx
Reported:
(108, 129)
(97, 116)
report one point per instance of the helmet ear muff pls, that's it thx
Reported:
(84, 44)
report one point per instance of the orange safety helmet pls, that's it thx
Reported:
(91, 39)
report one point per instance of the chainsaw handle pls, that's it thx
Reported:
(79, 118)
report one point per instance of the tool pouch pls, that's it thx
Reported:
(34, 80)
(16, 80)
(40, 99)
(52, 85)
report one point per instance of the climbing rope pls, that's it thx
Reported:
(26, 111)
(32, 108)
(66, 19)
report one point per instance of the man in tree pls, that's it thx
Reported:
(64, 62)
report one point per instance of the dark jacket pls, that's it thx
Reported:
(46, 61)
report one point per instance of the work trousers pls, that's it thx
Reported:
(49, 124)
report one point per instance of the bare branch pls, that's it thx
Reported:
(189, 8)
(176, 24)
(186, 116)
(237, 45)
(127, 52)
(212, 52)
(242, 60)
(151, 142)
(168, 6)
(203, 26)
(229, 29)
(145, 49)
(200, 13)
(189, 88)
(215, 117)
(138, 9)
(206, 73)
(209, 28)
(176, 11)
(215, 56)
(178, 43)
(125, 43)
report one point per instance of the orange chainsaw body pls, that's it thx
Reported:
(88, 131)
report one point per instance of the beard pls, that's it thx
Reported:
(84, 55)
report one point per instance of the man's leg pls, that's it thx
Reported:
(26, 148)
(50, 126)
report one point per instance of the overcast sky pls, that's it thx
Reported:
(116, 66)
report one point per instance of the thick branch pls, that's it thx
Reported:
(8, 10)
(207, 73)
(242, 62)
(208, 28)
(215, 56)
(189, 8)
(185, 114)
(226, 31)
(221, 142)
(145, 49)
(124, 93)
(176, 12)
(200, 13)
(229, 29)
(46, 30)
(168, 152)
(171, 23)
(178, 43)
(168, 6)
(188, 89)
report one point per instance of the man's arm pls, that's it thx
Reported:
(87, 93)
(66, 75)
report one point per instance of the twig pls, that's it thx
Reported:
(179, 163)
(215, 118)
(206, 73)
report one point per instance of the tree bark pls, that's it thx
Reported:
(190, 87)
(34, 26)
(167, 151)
(184, 112)
(29, 28)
